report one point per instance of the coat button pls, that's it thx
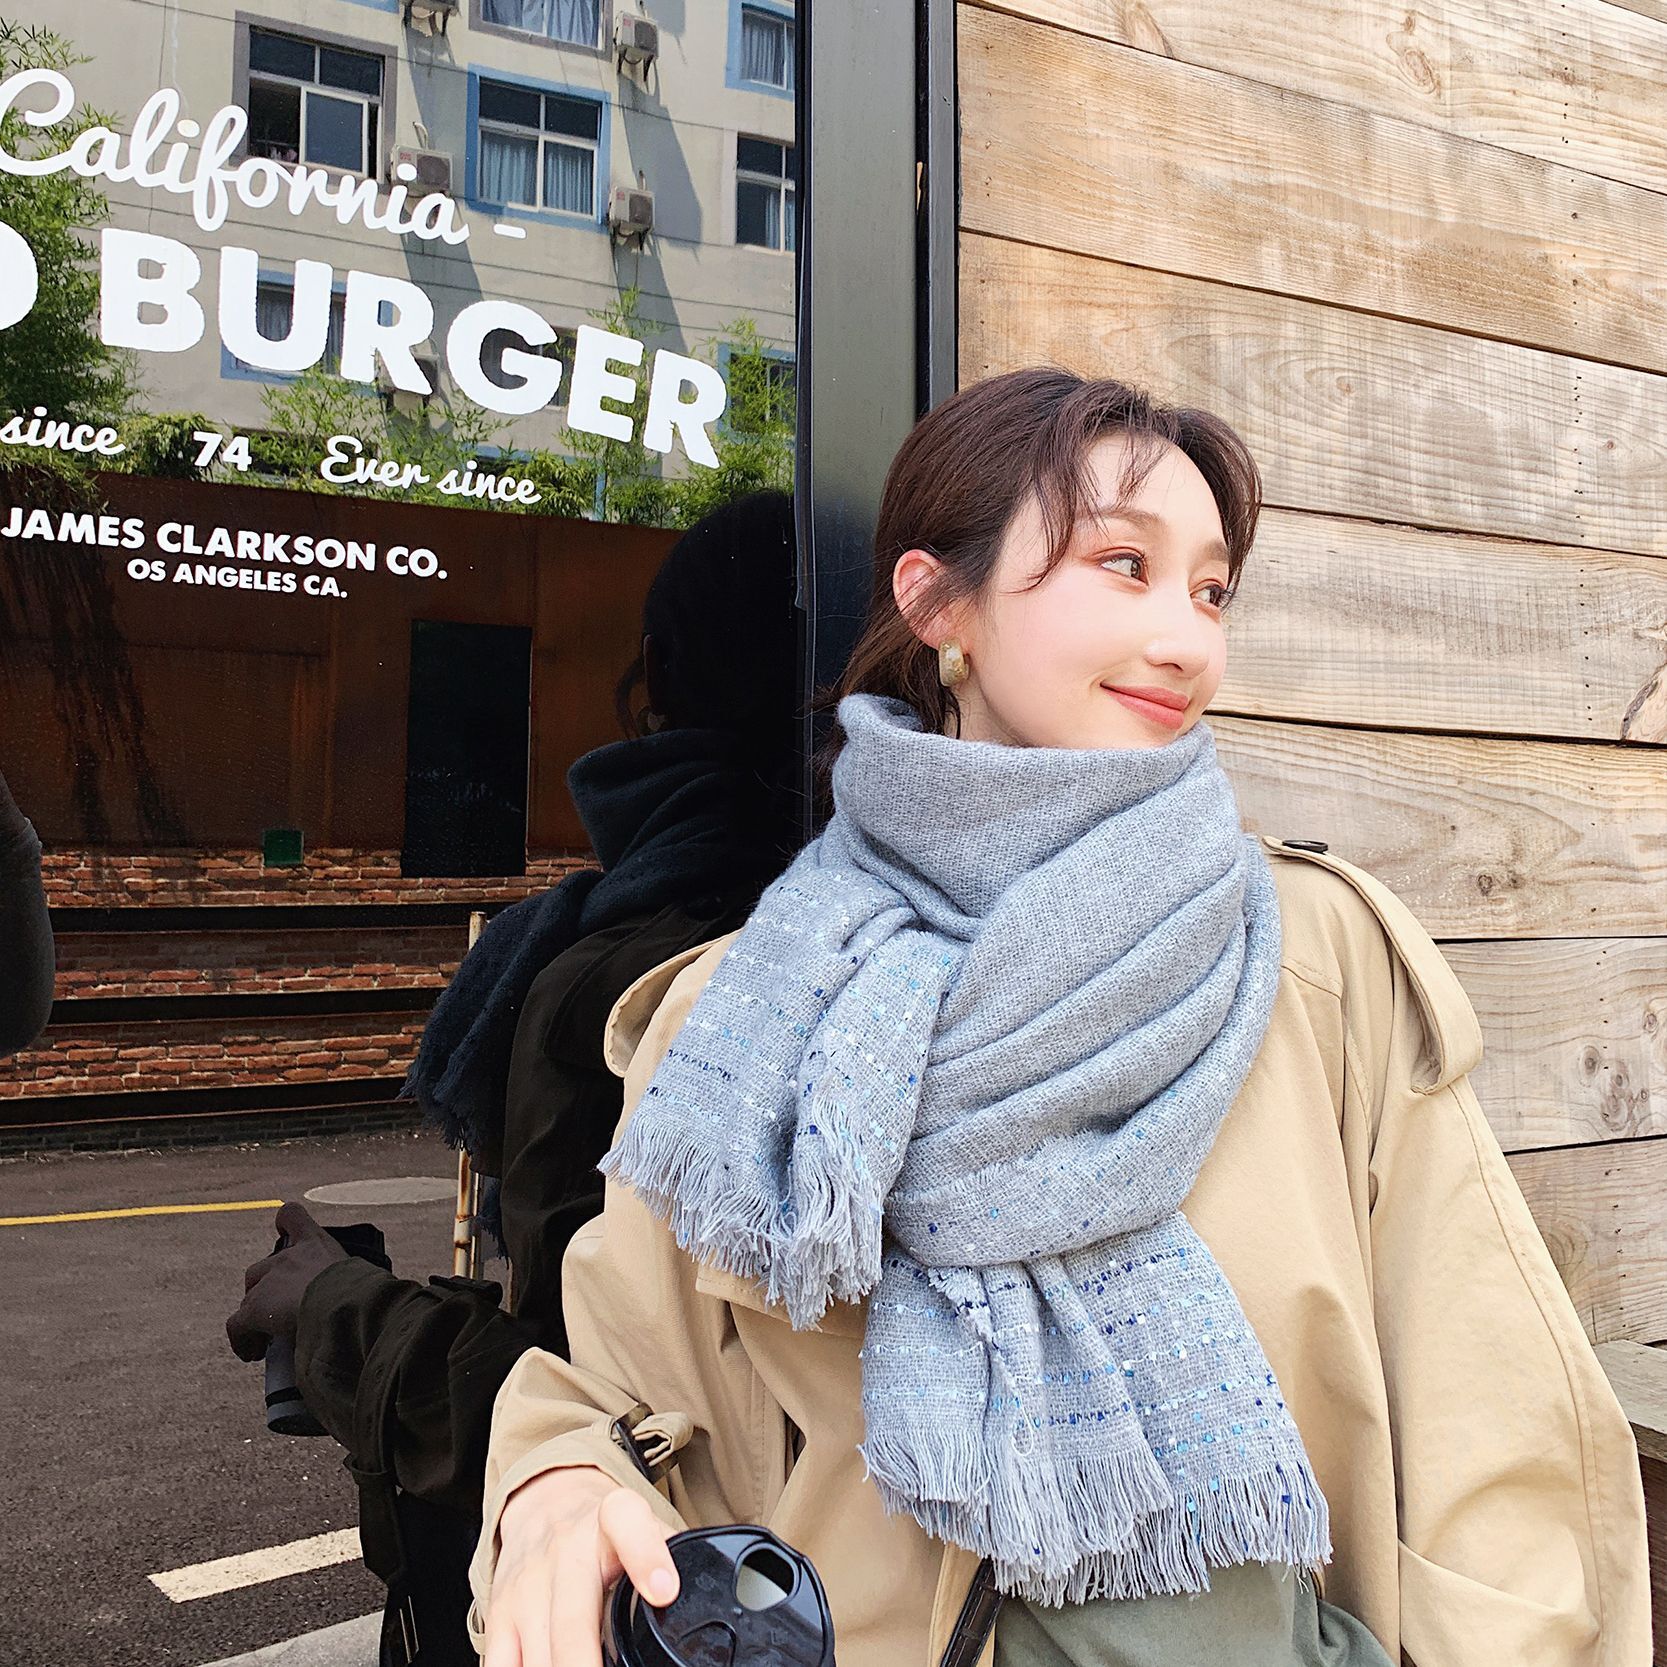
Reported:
(1306, 844)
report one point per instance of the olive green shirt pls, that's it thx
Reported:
(1254, 1615)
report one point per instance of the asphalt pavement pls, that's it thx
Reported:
(135, 1442)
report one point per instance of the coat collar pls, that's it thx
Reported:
(630, 1015)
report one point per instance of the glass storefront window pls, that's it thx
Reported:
(399, 506)
(413, 329)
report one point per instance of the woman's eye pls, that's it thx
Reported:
(1223, 593)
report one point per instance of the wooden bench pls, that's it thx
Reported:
(1638, 1375)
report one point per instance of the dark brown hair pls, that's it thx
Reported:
(966, 470)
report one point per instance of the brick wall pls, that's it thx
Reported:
(174, 963)
(109, 879)
(139, 1055)
(178, 967)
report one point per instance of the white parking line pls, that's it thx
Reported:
(250, 1568)
(351, 1644)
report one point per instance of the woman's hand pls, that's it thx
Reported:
(565, 1537)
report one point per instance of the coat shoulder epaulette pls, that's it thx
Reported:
(1450, 1024)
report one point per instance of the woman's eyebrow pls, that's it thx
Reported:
(1215, 550)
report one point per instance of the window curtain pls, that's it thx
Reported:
(508, 168)
(334, 332)
(568, 173)
(274, 314)
(275, 319)
(764, 54)
(514, 14)
(577, 21)
(274, 311)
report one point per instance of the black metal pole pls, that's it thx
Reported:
(876, 293)
(937, 314)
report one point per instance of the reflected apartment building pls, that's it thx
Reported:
(526, 112)
(267, 816)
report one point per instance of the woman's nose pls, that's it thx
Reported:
(1182, 636)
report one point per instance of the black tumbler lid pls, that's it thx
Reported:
(746, 1599)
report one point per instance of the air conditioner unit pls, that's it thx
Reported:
(630, 210)
(432, 11)
(636, 39)
(432, 170)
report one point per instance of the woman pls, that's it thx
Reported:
(1071, 1196)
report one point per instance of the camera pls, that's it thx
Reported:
(286, 1412)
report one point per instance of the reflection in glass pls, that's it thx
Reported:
(335, 690)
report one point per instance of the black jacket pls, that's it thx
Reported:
(417, 1366)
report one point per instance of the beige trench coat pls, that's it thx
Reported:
(1486, 1506)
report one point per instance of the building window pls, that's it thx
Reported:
(766, 48)
(495, 342)
(781, 382)
(767, 399)
(274, 317)
(574, 22)
(766, 206)
(312, 103)
(538, 150)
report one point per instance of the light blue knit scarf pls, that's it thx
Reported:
(965, 1060)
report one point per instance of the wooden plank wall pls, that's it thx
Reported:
(1419, 258)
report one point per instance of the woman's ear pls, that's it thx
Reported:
(915, 568)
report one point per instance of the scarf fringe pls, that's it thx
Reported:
(694, 1190)
(1046, 1510)
(1173, 1550)
(822, 1244)
(832, 1251)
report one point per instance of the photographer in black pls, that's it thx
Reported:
(691, 817)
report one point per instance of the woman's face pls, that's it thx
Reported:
(1135, 603)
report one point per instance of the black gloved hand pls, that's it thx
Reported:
(273, 1286)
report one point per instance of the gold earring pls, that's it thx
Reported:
(952, 664)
